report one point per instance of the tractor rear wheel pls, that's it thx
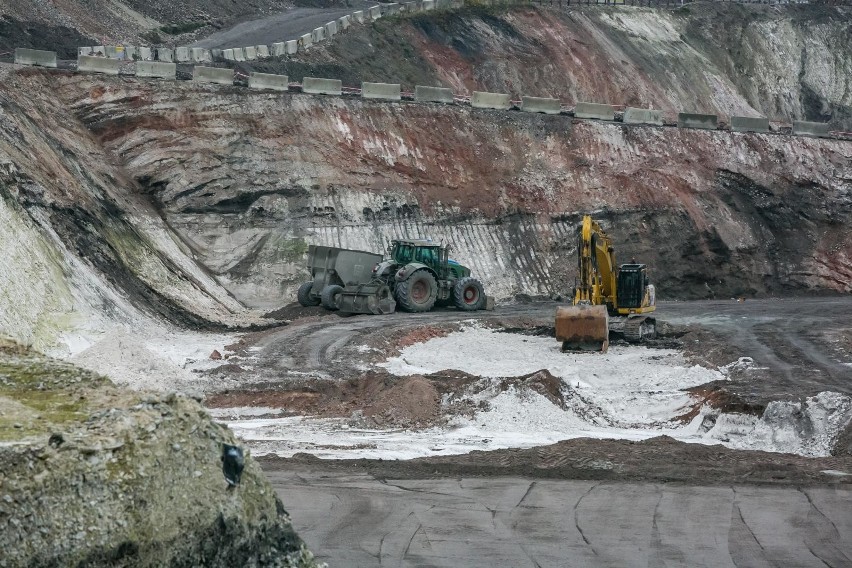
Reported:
(304, 295)
(329, 296)
(468, 294)
(418, 292)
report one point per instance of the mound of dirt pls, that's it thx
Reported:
(412, 402)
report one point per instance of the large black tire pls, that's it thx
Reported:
(468, 294)
(418, 292)
(329, 295)
(304, 295)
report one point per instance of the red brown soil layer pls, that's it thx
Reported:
(719, 398)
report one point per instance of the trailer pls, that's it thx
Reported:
(333, 269)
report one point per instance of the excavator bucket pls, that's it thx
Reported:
(371, 298)
(583, 328)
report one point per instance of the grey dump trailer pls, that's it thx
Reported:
(333, 269)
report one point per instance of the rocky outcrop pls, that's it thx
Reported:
(99, 476)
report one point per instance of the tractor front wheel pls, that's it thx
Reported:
(418, 292)
(304, 295)
(468, 294)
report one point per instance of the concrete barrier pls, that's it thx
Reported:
(35, 57)
(250, 52)
(84, 51)
(386, 91)
(94, 64)
(98, 49)
(291, 46)
(330, 29)
(216, 53)
(165, 54)
(812, 129)
(541, 104)
(375, 12)
(201, 55)
(428, 5)
(594, 111)
(433, 94)
(203, 74)
(391, 9)
(306, 41)
(643, 116)
(262, 51)
(489, 100)
(278, 49)
(409, 7)
(183, 55)
(343, 23)
(130, 52)
(443, 4)
(358, 16)
(146, 54)
(318, 86)
(318, 35)
(749, 124)
(268, 81)
(228, 54)
(114, 51)
(156, 69)
(702, 121)
(239, 54)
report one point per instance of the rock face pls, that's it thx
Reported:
(248, 180)
(789, 62)
(98, 476)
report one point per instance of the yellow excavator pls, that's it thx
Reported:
(606, 298)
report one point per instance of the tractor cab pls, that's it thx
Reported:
(631, 285)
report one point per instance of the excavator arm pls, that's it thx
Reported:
(596, 266)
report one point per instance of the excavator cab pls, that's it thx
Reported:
(631, 284)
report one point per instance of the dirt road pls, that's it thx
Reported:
(278, 27)
(355, 519)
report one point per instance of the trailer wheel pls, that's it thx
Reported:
(468, 294)
(304, 295)
(329, 296)
(418, 292)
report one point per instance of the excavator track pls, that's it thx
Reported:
(640, 328)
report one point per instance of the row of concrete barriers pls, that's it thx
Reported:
(393, 92)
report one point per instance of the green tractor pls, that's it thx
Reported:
(416, 275)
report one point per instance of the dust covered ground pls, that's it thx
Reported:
(756, 391)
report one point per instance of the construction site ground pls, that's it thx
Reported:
(439, 472)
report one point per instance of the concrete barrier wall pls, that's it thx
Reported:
(94, 64)
(409, 7)
(358, 16)
(428, 5)
(433, 94)
(643, 116)
(156, 69)
(391, 9)
(318, 35)
(540, 104)
(343, 23)
(319, 86)
(489, 100)
(201, 55)
(291, 47)
(213, 75)
(278, 49)
(703, 121)
(182, 55)
(250, 53)
(594, 110)
(330, 29)
(375, 12)
(130, 52)
(114, 51)
(749, 124)
(146, 54)
(84, 51)
(228, 54)
(386, 91)
(35, 57)
(262, 50)
(239, 54)
(268, 81)
(812, 129)
(165, 54)
(306, 41)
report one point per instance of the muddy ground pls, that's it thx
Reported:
(800, 347)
